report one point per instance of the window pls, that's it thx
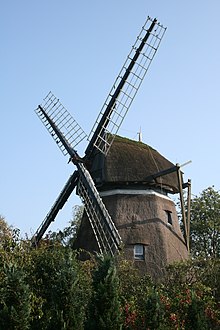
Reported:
(169, 217)
(139, 252)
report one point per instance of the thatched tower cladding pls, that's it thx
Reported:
(131, 162)
(148, 219)
(144, 215)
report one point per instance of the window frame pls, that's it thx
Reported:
(139, 255)
(169, 217)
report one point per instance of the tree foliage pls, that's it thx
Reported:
(15, 304)
(50, 288)
(63, 286)
(104, 308)
(6, 232)
(67, 236)
(205, 224)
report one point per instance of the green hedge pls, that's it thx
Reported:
(49, 288)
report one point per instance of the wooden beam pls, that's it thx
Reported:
(161, 173)
(188, 211)
(183, 211)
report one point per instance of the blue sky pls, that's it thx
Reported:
(76, 49)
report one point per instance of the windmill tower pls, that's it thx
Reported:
(135, 181)
(125, 202)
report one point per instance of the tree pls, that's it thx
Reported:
(190, 294)
(8, 235)
(205, 224)
(104, 308)
(63, 284)
(15, 301)
(68, 235)
(5, 230)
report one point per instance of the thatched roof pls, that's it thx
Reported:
(131, 162)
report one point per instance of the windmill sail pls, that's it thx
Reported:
(61, 200)
(106, 234)
(125, 87)
(50, 111)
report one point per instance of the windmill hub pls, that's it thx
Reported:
(75, 159)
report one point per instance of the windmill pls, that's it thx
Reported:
(68, 134)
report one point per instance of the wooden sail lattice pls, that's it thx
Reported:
(126, 85)
(67, 125)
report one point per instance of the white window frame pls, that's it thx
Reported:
(139, 251)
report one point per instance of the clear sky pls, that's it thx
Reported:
(76, 49)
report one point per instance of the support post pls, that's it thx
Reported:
(183, 211)
(188, 211)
